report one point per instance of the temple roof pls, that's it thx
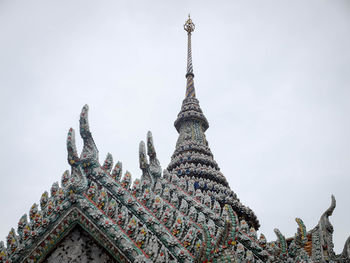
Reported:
(186, 213)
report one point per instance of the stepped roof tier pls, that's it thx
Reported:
(192, 158)
(98, 214)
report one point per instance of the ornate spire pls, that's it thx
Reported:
(190, 109)
(191, 125)
(189, 27)
(192, 158)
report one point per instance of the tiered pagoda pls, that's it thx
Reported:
(185, 213)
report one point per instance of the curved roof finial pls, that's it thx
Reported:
(189, 27)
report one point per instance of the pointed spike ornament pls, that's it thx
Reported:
(43, 200)
(189, 27)
(301, 237)
(64, 179)
(117, 171)
(154, 165)
(151, 152)
(126, 181)
(12, 241)
(90, 151)
(72, 158)
(108, 164)
(142, 156)
(144, 165)
(282, 241)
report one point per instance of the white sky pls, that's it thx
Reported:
(272, 78)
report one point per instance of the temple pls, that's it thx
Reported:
(185, 213)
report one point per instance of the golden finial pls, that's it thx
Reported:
(189, 26)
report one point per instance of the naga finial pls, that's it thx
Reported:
(189, 26)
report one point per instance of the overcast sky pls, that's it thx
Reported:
(272, 78)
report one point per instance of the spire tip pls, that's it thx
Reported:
(189, 26)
